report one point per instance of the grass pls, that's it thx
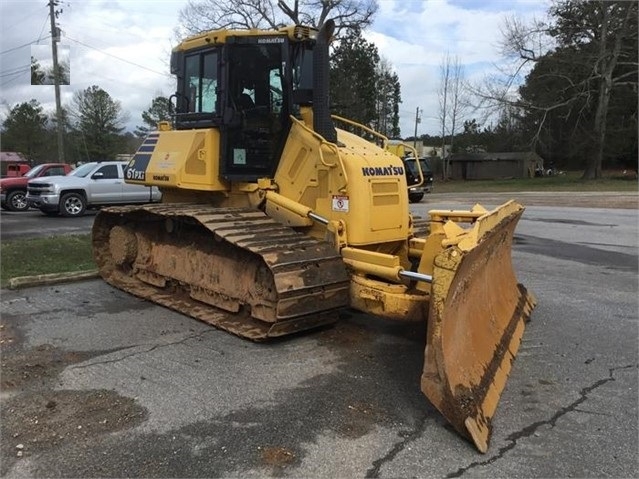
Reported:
(570, 181)
(54, 254)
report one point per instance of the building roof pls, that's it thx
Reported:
(508, 155)
(12, 157)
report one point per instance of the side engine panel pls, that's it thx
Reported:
(356, 182)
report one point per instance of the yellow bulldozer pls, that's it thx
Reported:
(273, 220)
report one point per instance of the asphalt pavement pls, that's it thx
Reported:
(97, 383)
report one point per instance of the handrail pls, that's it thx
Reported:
(332, 146)
(411, 148)
(363, 127)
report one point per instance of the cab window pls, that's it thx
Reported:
(201, 82)
(109, 172)
(54, 171)
(275, 87)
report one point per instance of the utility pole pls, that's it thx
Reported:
(417, 121)
(55, 38)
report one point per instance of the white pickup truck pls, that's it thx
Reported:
(88, 186)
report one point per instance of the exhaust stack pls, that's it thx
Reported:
(322, 121)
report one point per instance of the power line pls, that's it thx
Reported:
(28, 15)
(32, 42)
(42, 29)
(9, 82)
(16, 76)
(24, 45)
(118, 58)
(13, 71)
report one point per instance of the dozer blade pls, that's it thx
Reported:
(475, 324)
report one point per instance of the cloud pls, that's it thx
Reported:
(415, 36)
(124, 47)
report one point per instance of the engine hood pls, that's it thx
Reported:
(13, 181)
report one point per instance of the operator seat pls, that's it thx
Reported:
(245, 102)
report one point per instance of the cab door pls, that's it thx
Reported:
(132, 193)
(106, 184)
(256, 107)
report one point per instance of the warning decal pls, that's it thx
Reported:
(340, 203)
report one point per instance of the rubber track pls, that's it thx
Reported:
(310, 279)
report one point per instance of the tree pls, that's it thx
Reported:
(397, 99)
(202, 15)
(606, 33)
(472, 139)
(354, 95)
(160, 110)
(24, 130)
(508, 134)
(388, 98)
(442, 94)
(557, 120)
(99, 120)
(63, 74)
(74, 145)
(129, 143)
(452, 102)
(581, 93)
(37, 74)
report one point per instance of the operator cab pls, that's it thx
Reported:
(247, 88)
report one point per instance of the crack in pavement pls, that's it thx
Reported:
(407, 437)
(594, 413)
(530, 430)
(148, 350)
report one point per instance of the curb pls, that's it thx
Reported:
(54, 278)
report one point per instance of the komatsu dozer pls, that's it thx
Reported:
(273, 219)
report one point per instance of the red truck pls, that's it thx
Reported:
(17, 169)
(13, 190)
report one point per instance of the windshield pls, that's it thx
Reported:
(83, 170)
(423, 162)
(33, 172)
(411, 166)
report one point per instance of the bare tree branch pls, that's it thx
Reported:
(203, 15)
(593, 50)
(528, 42)
(292, 13)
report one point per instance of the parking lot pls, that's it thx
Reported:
(98, 383)
(32, 223)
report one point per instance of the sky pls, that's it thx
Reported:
(124, 48)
